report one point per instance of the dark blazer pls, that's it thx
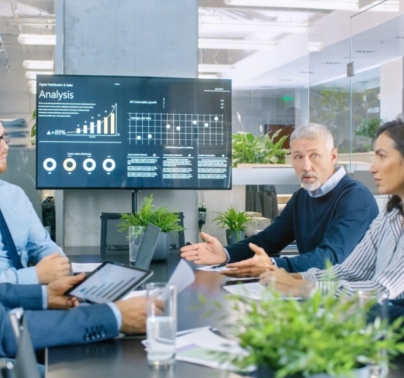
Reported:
(49, 328)
(26, 296)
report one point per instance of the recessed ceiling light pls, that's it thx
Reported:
(31, 75)
(331, 63)
(284, 80)
(38, 64)
(306, 72)
(37, 39)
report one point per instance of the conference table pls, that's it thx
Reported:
(126, 356)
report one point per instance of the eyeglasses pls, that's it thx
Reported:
(6, 138)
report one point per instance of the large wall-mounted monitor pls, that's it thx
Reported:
(133, 132)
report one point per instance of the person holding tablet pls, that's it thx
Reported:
(78, 325)
(23, 239)
(377, 262)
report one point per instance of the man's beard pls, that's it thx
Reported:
(311, 187)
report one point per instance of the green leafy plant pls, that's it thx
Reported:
(234, 221)
(262, 149)
(321, 334)
(368, 128)
(161, 217)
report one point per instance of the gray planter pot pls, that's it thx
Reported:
(233, 237)
(162, 247)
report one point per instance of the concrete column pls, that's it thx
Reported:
(391, 90)
(125, 37)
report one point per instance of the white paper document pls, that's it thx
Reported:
(84, 267)
(182, 276)
(253, 290)
(203, 348)
(135, 293)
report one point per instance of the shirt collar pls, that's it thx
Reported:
(330, 184)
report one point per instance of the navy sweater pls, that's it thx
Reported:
(326, 228)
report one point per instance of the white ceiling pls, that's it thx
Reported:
(288, 65)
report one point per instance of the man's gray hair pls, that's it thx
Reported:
(313, 131)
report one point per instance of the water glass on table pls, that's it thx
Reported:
(136, 234)
(161, 325)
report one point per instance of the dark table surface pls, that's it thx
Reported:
(126, 357)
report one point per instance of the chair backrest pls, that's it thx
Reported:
(112, 241)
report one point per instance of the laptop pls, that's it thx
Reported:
(147, 247)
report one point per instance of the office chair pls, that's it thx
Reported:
(262, 199)
(112, 241)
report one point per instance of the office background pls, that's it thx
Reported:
(296, 72)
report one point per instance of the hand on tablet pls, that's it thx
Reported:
(57, 288)
(52, 267)
(133, 312)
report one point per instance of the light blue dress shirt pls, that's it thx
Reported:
(330, 184)
(30, 237)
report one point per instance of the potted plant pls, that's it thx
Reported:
(262, 149)
(160, 216)
(368, 128)
(234, 222)
(321, 336)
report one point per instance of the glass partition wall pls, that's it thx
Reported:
(345, 72)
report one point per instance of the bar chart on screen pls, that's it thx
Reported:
(102, 123)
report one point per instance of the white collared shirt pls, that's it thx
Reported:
(330, 184)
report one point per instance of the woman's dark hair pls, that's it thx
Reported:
(395, 131)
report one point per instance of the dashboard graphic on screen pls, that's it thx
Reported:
(133, 132)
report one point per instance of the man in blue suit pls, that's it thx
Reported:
(79, 325)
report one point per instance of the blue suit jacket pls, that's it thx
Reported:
(48, 328)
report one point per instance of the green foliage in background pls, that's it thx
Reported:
(331, 107)
(262, 149)
(33, 128)
(161, 217)
(323, 333)
(368, 128)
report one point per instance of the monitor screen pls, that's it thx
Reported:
(133, 132)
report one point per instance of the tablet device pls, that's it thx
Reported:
(148, 246)
(108, 283)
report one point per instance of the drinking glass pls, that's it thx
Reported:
(136, 234)
(161, 325)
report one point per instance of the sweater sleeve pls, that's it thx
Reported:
(355, 211)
